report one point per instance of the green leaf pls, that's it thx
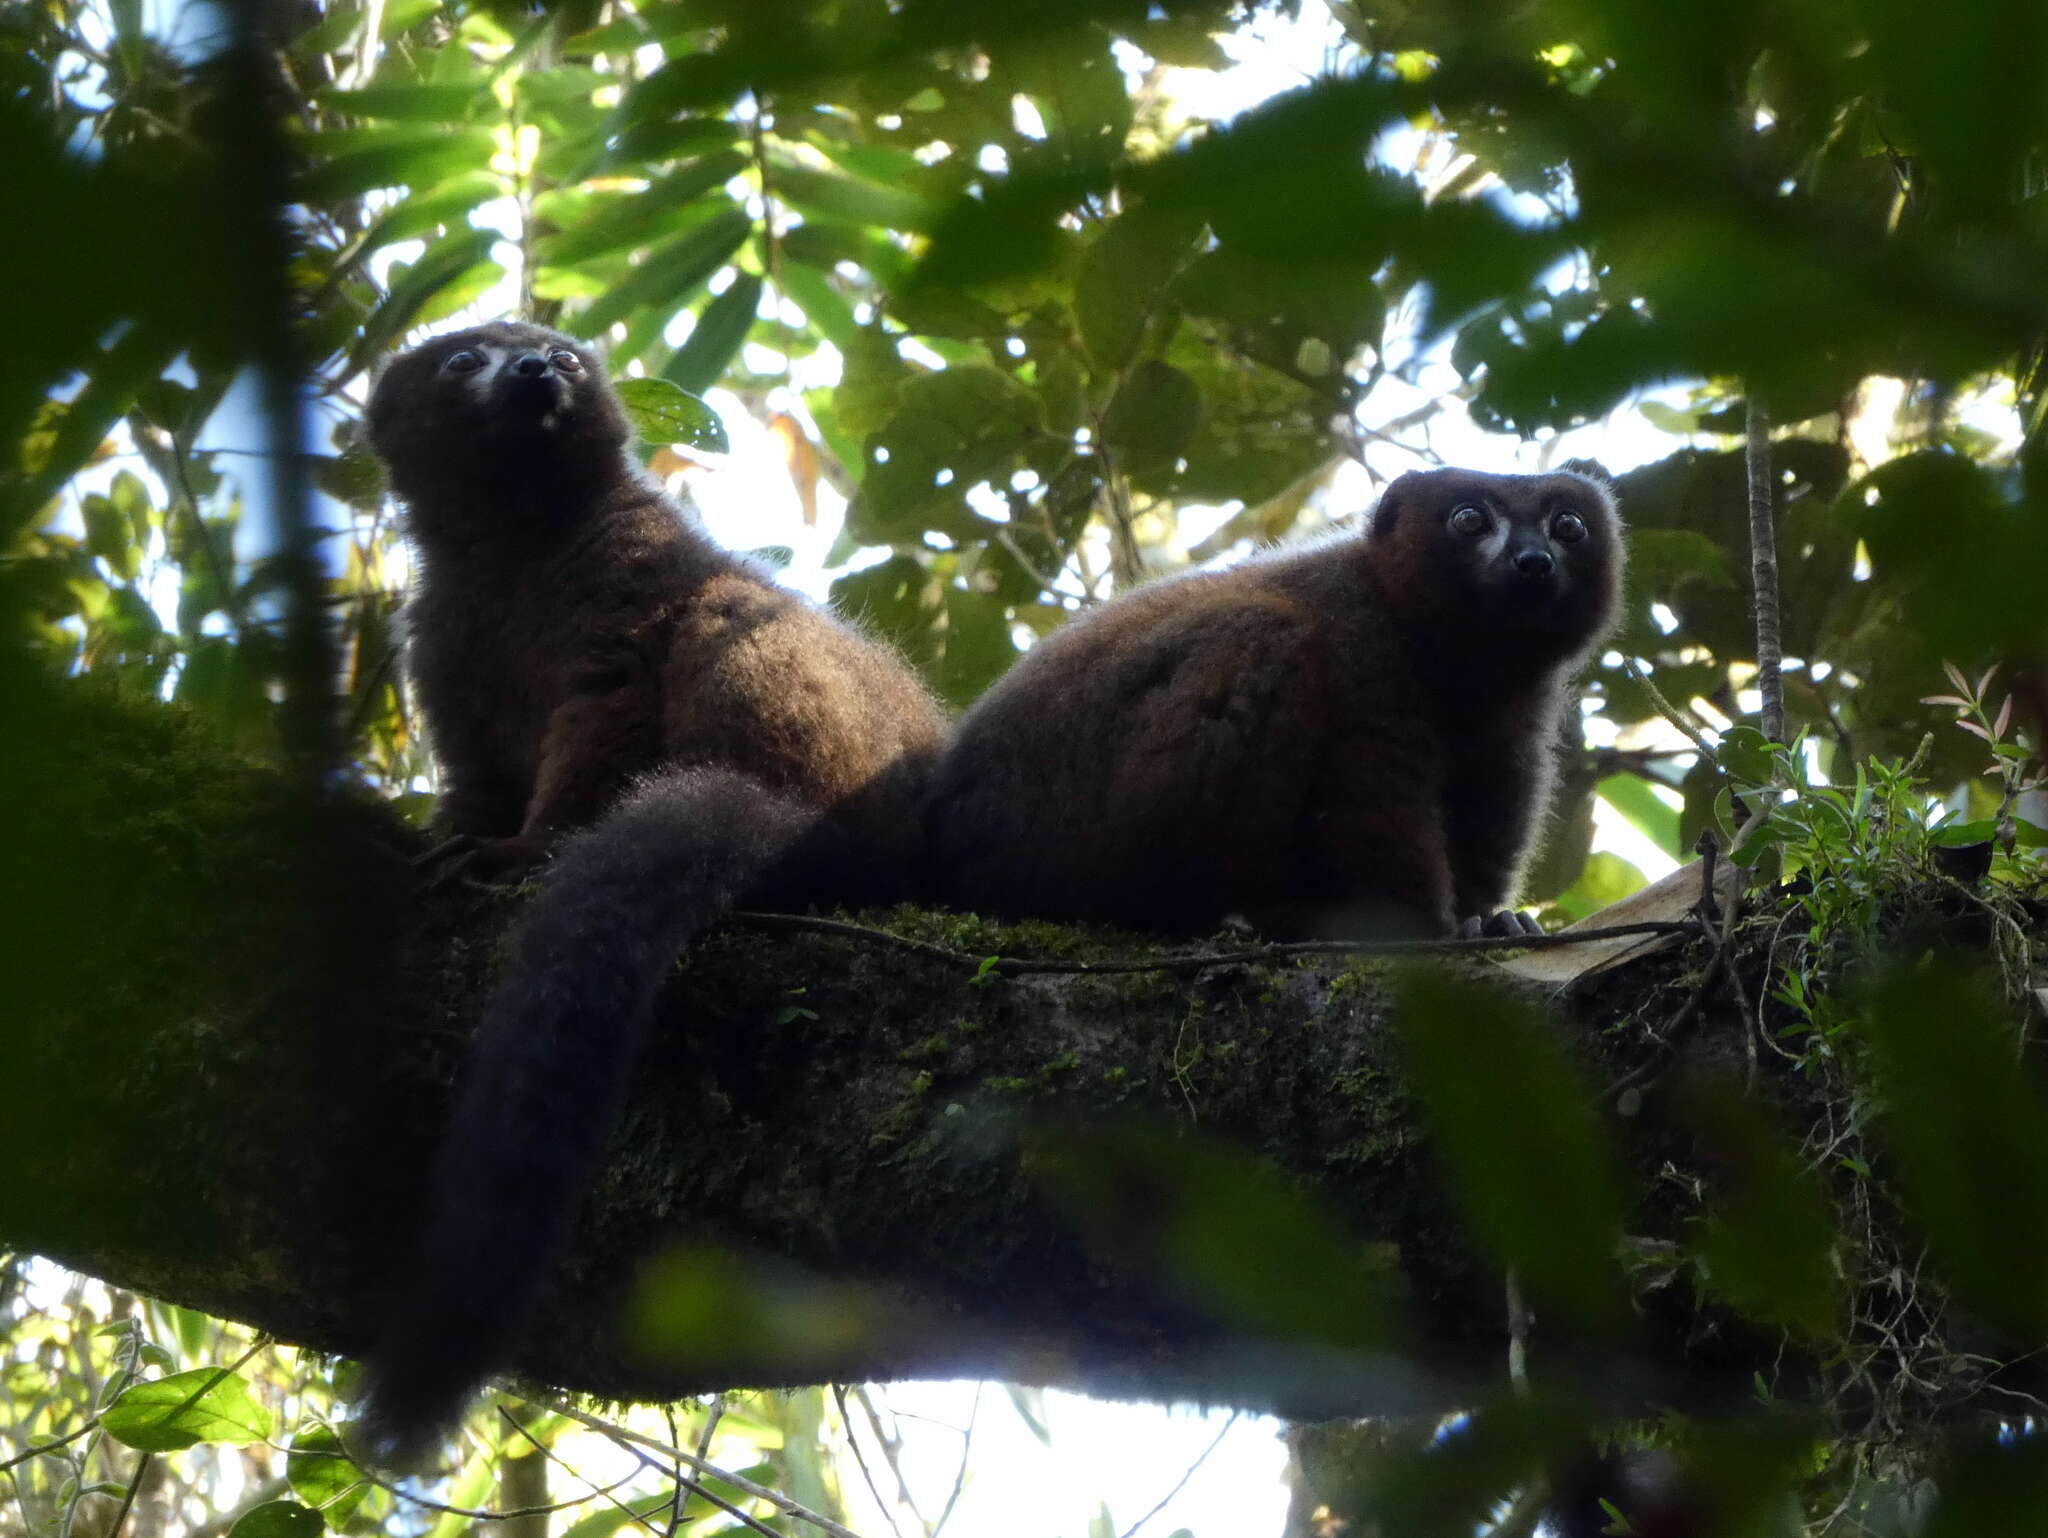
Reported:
(722, 327)
(447, 205)
(593, 227)
(411, 157)
(1951, 835)
(322, 1476)
(1765, 836)
(870, 377)
(1123, 278)
(352, 477)
(671, 271)
(107, 535)
(1013, 231)
(1662, 563)
(1184, 40)
(1746, 753)
(1451, 1484)
(459, 258)
(1029, 1403)
(833, 195)
(192, 1328)
(698, 1303)
(897, 598)
(976, 646)
(1975, 592)
(1513, 1134)
(342, 26)
(664, 412)
(1966, 1117)
(1073, 76)
(1154, 417)
(1261, 433)
(665, 140)
(1605, 879)
(1244, 1241)
(203, 1405)
(128, 34)
(621, 36)
(1669, 419)
(951, 430)
(278, 1519)
(1290, 315)
(409, 102)
(1769, 1242)
(1649, 813)
(823, 306)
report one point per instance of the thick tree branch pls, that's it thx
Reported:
(233, 1079)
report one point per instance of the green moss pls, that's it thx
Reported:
(935, 1048)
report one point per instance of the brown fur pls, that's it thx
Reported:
(575, 637)
(571, 627)
(1352, 738)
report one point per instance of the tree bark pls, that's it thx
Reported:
(236, 1026)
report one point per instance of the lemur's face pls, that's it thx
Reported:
(519, 372)
(509, 390)
(1538, 554)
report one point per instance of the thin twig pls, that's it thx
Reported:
(1667, 710)
(128, 1499)
(618, 1434)
(1049, 582)
(739, 1482)
(861, 1461)
(710, 1428)
(771, 238)
(1708, 847)
(1518, 1336)
(1190, 1474)
(556, 1459)
(892, 1454)
(475, 1514)
(966, 1452)
(1763, 569)
(1014, 966)
(49, 1447)
(679, 1495)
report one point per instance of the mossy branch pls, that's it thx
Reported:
(238, 1024)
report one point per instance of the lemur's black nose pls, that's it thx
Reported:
(1535, 563)
(529, 365)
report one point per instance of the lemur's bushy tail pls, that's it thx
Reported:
(541, 1089)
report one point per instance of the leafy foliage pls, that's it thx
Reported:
(1031, 326)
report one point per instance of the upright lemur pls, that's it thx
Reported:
(586, 658)
(1353, 738)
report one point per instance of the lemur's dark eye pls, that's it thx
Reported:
(1469, 518)
(566, 361)
(468, 361)
(1567, 528)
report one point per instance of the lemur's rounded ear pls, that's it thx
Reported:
(1387, 511)
(1591, 469)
